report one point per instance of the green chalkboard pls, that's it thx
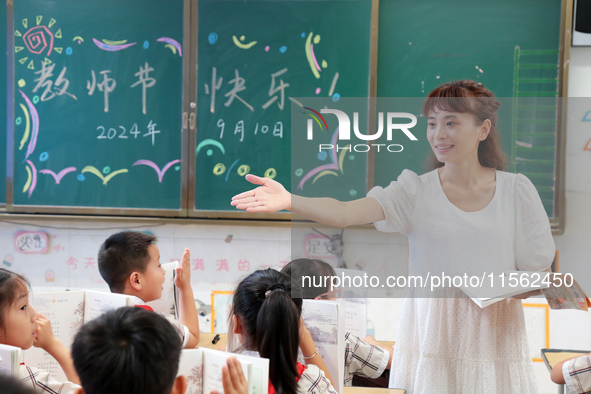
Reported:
(3, 134)
(97, 104)
(511, 46)
(258, 62)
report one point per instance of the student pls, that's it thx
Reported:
(129, 262)
(268, 321)
(361, 357)
(466, 216)
(130, 350)
(575, 373)
(22, 326)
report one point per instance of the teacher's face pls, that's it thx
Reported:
(454, 136)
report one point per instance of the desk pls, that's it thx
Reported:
(371, 390)
(206, 338)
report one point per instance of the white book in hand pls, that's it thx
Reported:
(68, 311)
(10, 359)
(167, 303)
(203, 369)
(498, 287)
(325, 321)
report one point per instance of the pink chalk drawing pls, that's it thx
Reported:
(58, 177)
(160, 173)
(38, 39)
(174, 43)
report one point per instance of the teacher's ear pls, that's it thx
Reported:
(485, 129)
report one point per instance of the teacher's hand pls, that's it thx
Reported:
(269, 197)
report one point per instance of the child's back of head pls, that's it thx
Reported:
(313, 276)
(121, 254)
(268, 319)
(128, 350)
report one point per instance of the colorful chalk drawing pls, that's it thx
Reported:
(587, 145)
(105, 179)
(58, 177)
(172, 44)
(316, 119)
(311, 55)
(37, 41)
(31, 125)
(207, 142)
(220, 169)
(240, 42)
(112, 46)
(327, 169)
(31, 178)
(159, 172)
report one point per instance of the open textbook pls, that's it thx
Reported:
(326, 322)
(167, 303)
(203, 369)
(10, 359)
(354, 302)
(561, 290)
(68, 311)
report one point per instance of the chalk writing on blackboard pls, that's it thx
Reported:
(85, 113)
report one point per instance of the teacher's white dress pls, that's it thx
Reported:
(450, 345)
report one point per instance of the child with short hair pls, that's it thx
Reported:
(269, 322)
(361, 357)
(22, 326)
(129, 262)
(133, 351)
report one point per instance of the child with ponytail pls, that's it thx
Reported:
(269, 322)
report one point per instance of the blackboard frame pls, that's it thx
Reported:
(6, 80)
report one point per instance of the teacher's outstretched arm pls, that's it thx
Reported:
(271, 197)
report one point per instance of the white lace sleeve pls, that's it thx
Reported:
(398, 201)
